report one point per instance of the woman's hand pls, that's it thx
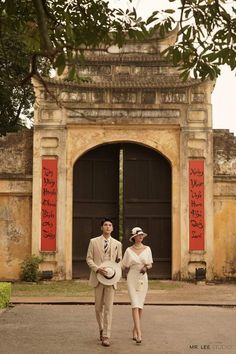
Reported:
(143, 270)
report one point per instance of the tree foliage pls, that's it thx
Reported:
(61, 30)
(57, 31)
(206, 38)
(15, 99)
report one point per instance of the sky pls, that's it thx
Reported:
(224, 94)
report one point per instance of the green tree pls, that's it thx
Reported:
(58, 32)
(15, 99)
(206, 38)
(61, 30)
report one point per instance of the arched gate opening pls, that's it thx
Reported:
(131, 184)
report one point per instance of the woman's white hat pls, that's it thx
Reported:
(113, 273)
(137, 231)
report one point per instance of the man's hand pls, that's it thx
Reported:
(102, 271)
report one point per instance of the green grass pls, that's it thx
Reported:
(76, 288)
(53, 288)
(164, 285)
(5, 293)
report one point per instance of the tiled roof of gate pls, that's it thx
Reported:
(163, 81)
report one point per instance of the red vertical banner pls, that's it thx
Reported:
(49, 205)
(196, 205)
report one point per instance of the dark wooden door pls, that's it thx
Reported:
(95, 195)
(147, 203)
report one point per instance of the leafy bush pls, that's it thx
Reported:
(5, 294)
(30, 268)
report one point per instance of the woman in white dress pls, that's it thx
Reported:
(138, 258)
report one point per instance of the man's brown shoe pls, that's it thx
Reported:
(105, 342)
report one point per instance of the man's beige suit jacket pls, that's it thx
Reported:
(95, 256)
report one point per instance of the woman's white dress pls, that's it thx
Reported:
(137, 282)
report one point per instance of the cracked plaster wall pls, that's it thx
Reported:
(16, 155)
(224, 204)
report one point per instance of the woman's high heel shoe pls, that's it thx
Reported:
(138, 340)
(134, 335)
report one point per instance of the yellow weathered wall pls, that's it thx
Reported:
(225, 238)
(15, 231)
(224, 204)
(16, 155)
(224, 235)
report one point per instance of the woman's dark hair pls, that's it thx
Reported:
(106, 219)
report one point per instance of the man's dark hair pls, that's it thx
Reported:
(106, 219)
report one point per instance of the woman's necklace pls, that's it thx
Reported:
(139, 247)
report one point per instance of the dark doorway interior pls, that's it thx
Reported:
(95, 195)
(147, 203)
(130, 184)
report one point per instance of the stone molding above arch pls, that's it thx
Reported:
(167, 145)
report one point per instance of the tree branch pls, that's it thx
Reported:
(182, 12)
(14, 121)
(47, 12)
(45, 42)
(33, 70)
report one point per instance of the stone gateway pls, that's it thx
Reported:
(132, 142)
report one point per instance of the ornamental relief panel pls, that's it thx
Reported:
(119, 113)
(94, 70)
(173, 97)
(81, 96)
(123, 97)
(148, 97)
(98, 73)
(197, 97)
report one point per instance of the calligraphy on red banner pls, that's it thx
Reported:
(49, 205)
(196, 205)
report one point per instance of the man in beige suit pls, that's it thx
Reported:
(103, 248)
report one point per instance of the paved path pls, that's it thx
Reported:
(71, 329)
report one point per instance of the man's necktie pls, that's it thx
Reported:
(105, 246)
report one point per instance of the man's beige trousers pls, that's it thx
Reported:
(104, 296)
